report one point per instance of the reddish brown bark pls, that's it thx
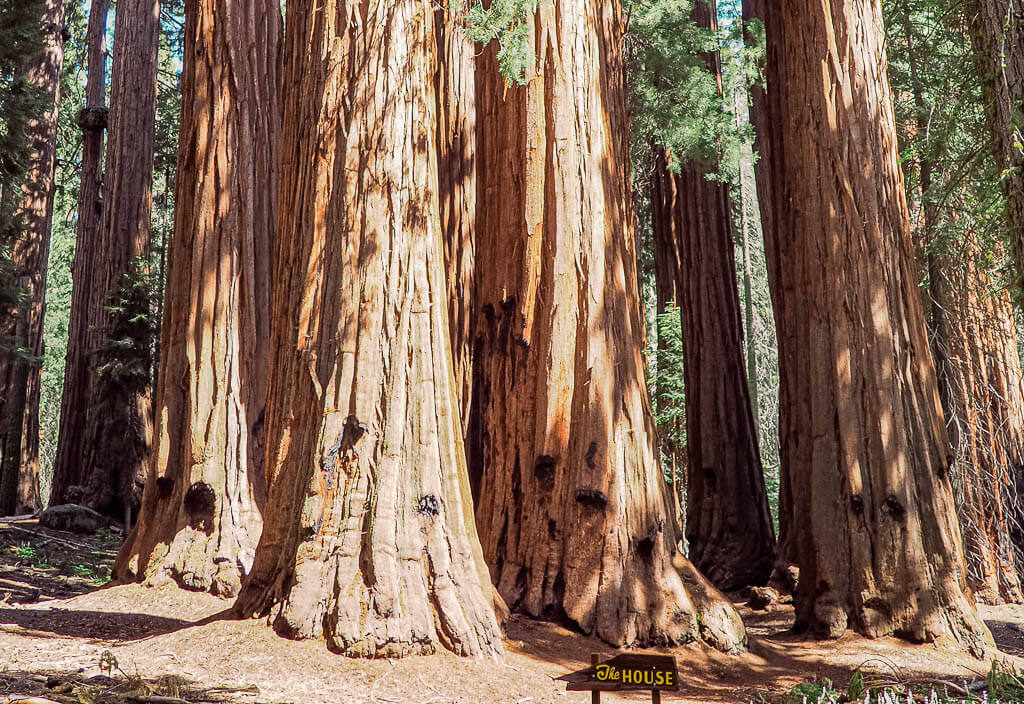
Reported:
(573, 515)
(871, 519)
(728, 524)
(86, 269)
(104, 434)
(367, 540)
(201, 511)
(456, 138)
(20, 379)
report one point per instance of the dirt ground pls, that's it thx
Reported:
(79, 641)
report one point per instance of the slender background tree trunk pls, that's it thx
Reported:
(107, 464)
(86, 269)
(997, 32)
(728, 524)
(20, 378)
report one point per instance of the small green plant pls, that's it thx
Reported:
(84, 571)
(107, 538)
(26, 552)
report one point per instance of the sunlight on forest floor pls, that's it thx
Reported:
(169, 640)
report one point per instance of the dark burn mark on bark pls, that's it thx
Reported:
(544, 471)
(164, 487)
(200, 503)
(857, 504)
(552, 529)
(592, 499)
(352, 433)
(895, 508)
(645, 549)
(428, 506)
(591, 454)
(509, 305)
(522, 342)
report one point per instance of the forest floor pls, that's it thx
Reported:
(65, 637)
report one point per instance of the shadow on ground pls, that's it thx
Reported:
(97, 625)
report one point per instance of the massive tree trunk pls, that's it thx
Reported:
(201, 511)
(997, 29)
(872, 523)
(106, 421)
(573, 515)
(366, 541)
(728, 524)
(20, 377)
(456, 136)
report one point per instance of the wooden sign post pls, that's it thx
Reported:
(625, 672)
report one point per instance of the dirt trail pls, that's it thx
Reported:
(160, 632)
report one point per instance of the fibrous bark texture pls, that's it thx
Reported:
(102, 447)
(997, 32)
(728, 524)
(573, 512)
(201, 511)
(20, 378)
(984, 404)
(456, 137)
(865, 455)
(366, 540)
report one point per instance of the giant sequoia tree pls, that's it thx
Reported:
(23, 327)
(573, 513)
(870, 519)
(367, 540)
(728, 525)
(200, 517)
(105, 409)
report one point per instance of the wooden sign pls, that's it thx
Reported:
(626, 672)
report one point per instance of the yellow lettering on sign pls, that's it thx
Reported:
(627, 676)
(668, 679)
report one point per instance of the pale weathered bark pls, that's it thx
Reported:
(997, 32)
(573, 515)
(102, 446)
(201, 510)
(20, 378)
(366, 541)
(872, 523)
(728, 524)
